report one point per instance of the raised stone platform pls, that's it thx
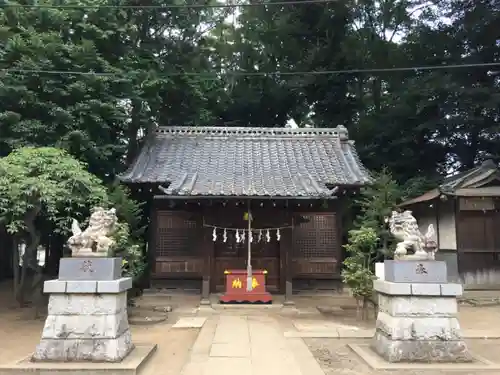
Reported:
(87, 321)
(375, 362)
(88, 286)
(87, 313)
(417, 322)
(131, 365)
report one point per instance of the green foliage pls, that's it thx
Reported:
(415, 122)
(418, 185)
(47, 181)
(102, 118)
(357, 273)
(376, 204)
(131, 252)
(127, 209)
(129, 234)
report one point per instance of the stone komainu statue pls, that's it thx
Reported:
(96, 239)
(404, 227)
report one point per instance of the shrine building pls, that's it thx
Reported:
(216, 188)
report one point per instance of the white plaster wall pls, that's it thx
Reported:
(425, 220)
(426, 214)
(447, 231)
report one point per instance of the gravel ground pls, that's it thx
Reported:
(24, 334)
(336, 358)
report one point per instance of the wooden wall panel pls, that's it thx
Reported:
(478, 231)
(177, 243)
(174, 267)
(319, 267)
(317, 246)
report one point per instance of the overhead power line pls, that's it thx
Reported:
(6, 3)
(215, 75)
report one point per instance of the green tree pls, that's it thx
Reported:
(80, 113)
(100, 118)
(285, 38)
(128, 210)
(376, 203)
(129, 236)
(357, 273)
(43, 185)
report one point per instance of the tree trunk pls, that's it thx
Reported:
(15, 264)
(377, 94)
(133, 130)
(365, 309)
(30, 255)
(21, 292)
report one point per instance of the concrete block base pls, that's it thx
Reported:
(87, 286)
(131, 365)
(426, 351)
(80, 350)
(418, 323)
(85, 327)
(376, 362)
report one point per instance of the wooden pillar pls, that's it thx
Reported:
(151, 250)
(286, 252)
(207, 247)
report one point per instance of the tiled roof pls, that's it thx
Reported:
(468, 183)
(276, 162)
(475, 177)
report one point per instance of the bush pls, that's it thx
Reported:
(376, 203)
(129, 237)
(127, 209)
(133, 261)
(357, 273)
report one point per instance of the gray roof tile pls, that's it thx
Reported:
(217, 161)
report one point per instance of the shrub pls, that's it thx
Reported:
(357, 273)
(131, 252)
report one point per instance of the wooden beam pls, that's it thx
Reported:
(286, 251)
(152, 230)
(207, 247)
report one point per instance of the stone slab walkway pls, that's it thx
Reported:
(328, 329)
(248, 345)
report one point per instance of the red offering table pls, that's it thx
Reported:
(236, 287)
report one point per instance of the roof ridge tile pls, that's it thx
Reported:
(339, 131)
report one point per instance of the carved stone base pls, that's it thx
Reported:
(85, 325)
(88, 349)
(417, 322)
(428, 351)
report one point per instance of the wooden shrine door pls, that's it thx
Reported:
(233, 255)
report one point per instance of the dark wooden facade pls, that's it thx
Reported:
(465, 210)
(206, 176)
(478, 239)
(182, 247)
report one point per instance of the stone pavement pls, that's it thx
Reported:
(248, 345)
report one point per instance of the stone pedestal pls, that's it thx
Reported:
(417, 322)
(87, 318)
(380, 270)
